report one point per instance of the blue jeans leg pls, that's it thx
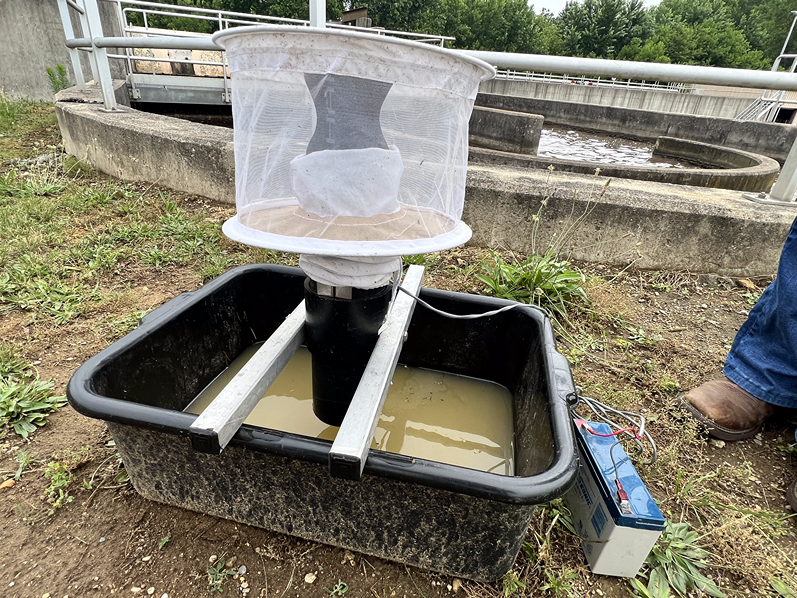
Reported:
(763, 358)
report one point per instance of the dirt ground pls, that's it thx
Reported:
(642, 339)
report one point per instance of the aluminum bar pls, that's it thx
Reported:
(350, 449)
(218, 423)
(648, 71)
(74, 57)
(99, 54)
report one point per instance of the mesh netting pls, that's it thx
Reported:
(348, 143)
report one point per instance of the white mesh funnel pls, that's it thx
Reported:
(348, 143)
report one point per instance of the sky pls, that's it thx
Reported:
(556, 6)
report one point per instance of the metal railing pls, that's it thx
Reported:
(95, 43)
(569, 79)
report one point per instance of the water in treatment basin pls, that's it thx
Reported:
(427, 414)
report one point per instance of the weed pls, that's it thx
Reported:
(539, 280)
(58, 78)
(217, 574)
(786, 590)
(675, 563)
(10, 364)
(10, 110)
(511, 583)
(60, 477)
(25, 460)
(667, 384)
(163, 542)
(560, 583)
(123, 325)
(60, 473)
(338, 589)
(642, 337)
(787, 450)
(24, 405)
(752, 297)
(421, 259)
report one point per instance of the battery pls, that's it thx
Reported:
(618, 529)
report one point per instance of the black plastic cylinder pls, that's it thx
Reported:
(340, 335)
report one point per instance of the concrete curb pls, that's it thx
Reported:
(655, 225)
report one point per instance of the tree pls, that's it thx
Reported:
(602, 27)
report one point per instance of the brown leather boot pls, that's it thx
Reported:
(727, 411)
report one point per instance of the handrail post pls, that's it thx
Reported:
(782, 193)
(100, 54)
(318, 13)
(786, 184)
(74, 57)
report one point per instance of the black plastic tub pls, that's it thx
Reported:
(433, 515)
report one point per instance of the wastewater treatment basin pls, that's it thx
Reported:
(434, 515)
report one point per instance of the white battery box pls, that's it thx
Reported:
(616, 538)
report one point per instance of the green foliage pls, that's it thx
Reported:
(512, 583)
(162, 542)
(217, 574)
(752, 297)
(10, 110)
(59, 79)
(559, 583)
(60, 476)
(541, 280)
(601, 28)
(782, 588)
(25, 404)
(675, 563)
(338, 589)
(25, 459)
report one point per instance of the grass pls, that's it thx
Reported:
(68, 234)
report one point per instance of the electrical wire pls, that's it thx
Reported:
(445, 314)
(609, 415)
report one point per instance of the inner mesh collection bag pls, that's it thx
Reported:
(348, 143)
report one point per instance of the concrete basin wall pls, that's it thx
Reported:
(770, 139)
(622, 97)
(505, 130)
(654, 225)
(725, 168)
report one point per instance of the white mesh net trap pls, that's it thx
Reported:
(348, 143)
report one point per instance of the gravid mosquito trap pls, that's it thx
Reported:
(351, 149)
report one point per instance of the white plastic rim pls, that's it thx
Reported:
(243, 234)
(341, 210)
(380, 49)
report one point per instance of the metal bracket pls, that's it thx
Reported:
(350, 449)
(218, 423)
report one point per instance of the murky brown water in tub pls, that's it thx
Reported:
(427, 414)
